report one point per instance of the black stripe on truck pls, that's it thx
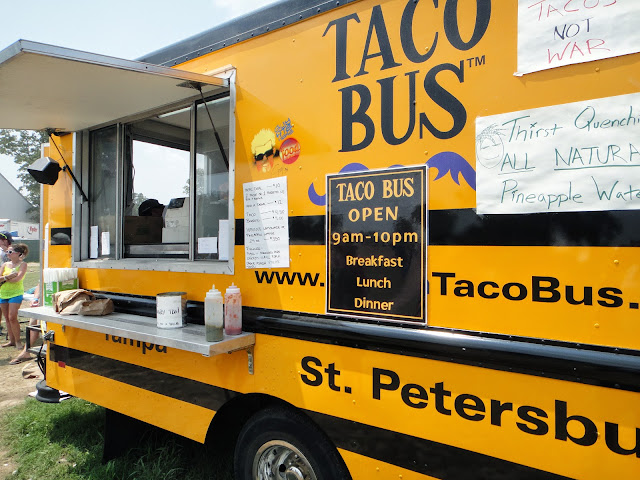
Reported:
(405, 451)
(591, 365)
(620, 228)
(179, 388)
(423, 456)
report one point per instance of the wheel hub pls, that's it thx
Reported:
(279, 460)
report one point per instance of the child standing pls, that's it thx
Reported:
(12, 289)
(5, 242)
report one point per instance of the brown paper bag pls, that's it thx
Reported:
(69, 302)
(81, 302)
(99, 306)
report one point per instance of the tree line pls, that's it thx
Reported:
(24, 146)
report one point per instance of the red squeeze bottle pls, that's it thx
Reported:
(232, 311)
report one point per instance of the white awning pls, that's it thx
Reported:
(43, 86)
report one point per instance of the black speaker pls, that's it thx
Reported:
(45, 170)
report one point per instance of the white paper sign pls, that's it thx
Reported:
(266, 224)
(106, 243)
(553, 33)
(93, 242)
(223, 234)
(582, 156)
(208, 245)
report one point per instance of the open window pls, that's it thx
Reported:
(158, 188)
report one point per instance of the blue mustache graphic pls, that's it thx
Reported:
(443, 162)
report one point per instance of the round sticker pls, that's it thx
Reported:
(289, 150)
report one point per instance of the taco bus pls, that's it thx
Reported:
(430, 209)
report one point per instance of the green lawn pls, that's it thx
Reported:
(65, 441)
(56, 441)
(32, 278)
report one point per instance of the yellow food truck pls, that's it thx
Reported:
(438, 256)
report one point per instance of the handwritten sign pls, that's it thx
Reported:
(266, 224)
(553, 33)
(582, 156)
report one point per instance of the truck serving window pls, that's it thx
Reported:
(158, 190)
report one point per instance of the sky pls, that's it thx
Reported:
(120, 28)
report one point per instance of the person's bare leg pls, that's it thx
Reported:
(33, 334)
(13, 325)
(4, 308)
(33, 338)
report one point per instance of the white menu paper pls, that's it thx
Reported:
(266, 224)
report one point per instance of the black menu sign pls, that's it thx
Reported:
(377, 245)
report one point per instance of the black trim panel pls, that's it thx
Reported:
(619, 228)
(423, 456)
(146, 306)
(61, 236)
(304, 230)
(600, 366)
(616, 228)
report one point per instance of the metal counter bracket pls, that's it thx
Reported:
(250, 355)
(190, 338)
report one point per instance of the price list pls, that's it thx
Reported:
(266, 223)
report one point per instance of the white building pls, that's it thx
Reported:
(13, 212)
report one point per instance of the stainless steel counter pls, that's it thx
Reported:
(190, 338)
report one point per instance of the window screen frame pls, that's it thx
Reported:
(80, 209)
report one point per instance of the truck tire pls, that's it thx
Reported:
(283, 444)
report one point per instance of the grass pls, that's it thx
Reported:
(55, 441)
(32, 277)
